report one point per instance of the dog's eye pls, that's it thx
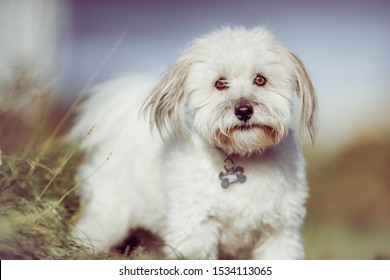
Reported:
(260, 80)
(221, 84)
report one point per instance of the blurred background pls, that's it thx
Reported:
(63, 47)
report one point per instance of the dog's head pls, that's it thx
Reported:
(235, 88)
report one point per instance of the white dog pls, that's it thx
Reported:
(225, 175)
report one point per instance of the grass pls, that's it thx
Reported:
(330, 240)
(39, 205)
(349, 206)
(38, 200)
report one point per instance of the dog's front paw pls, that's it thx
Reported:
(285, 245)
(194, 241)
(188, 251)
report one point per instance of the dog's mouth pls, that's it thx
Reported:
(246, 138)
(245, 127)
(249, 126)
(268, 130)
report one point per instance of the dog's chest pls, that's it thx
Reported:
(242, 210)
(243, 213)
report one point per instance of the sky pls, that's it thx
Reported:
(344, 45)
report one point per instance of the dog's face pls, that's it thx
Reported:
(235, 88)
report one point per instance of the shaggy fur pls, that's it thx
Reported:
(210, 109)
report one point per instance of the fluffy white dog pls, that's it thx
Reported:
(224, 175)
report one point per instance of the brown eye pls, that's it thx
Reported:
(260, 81)
(221, 84)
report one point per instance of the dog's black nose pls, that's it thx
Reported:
(243, 110)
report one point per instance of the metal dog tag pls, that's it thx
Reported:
(232, 175)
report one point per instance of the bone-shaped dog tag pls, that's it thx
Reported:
(232, 175)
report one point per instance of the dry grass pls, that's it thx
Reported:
(38, 201)
(39, 205)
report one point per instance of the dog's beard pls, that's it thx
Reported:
(247, 138)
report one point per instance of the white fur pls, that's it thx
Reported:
(131, 178)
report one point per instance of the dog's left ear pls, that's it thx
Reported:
(308, 99)
(166, 102)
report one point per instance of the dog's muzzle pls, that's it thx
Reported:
(243, 110)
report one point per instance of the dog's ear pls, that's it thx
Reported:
(165, 105)
(307, 97)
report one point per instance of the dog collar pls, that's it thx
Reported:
(232, 173)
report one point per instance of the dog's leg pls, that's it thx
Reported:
(101, 226)
(106, 217)
(283, 244)
(191, 236)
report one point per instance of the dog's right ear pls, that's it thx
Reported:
(166, 103)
